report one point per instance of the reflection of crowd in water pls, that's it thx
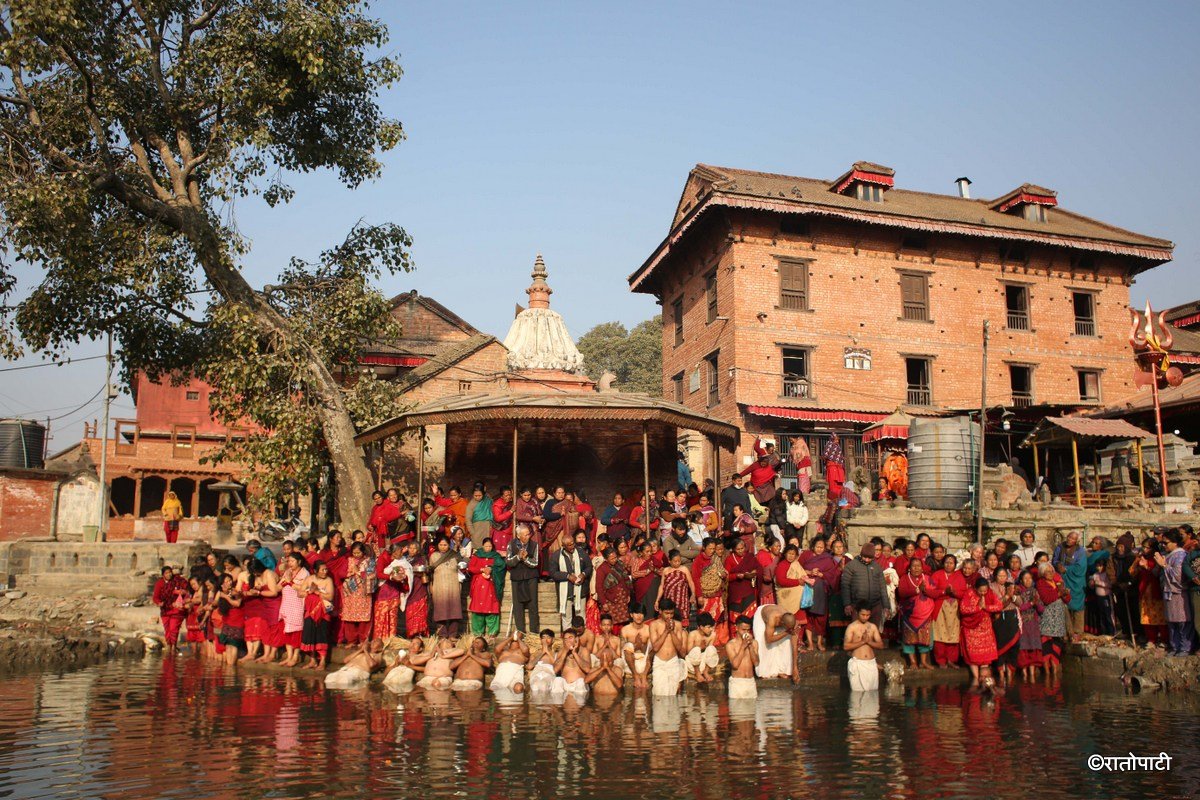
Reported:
(653, 591)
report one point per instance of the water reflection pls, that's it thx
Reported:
(182, 728)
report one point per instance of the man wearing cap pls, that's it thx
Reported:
(862, 580)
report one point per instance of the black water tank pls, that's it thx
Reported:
(22, 443)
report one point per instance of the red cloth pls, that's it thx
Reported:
(919, 608)
(171, 624)
(502, 523)
(978, 638)
(699, 564)
(744, 575)
(382, 515)
(940, 586)
(171, 530)
(766, 572)
(835, 475)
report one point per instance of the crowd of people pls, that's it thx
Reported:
(655, 590)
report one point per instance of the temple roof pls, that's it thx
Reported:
(538, 338)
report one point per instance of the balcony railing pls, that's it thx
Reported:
(920, 396)
(916, 311)
(1018, 321)
(796, 387)
(1085, 327)
(1022, 399)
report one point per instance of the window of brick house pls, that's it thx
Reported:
(793, 284)
(796, 377)
(677, 320)
(919, 372)
(677, 386)
(192, 395)
(1089, 385)
(868, 192)
(914, 296)
(714, 378)
(710, 295)
(1084, 304)
(1016, 305)
(1020, 379)
(183, 441)
(464, 386)
(126, 437)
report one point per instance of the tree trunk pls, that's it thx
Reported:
(353, 478)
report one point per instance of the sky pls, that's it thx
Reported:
(569, 129)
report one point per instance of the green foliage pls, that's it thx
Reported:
(635, 357)
(129, 128)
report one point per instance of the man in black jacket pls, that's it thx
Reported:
(522, 561)
(736, 494)
(862, 580)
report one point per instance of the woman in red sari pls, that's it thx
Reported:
(768, 560)
(171, 595)
(916, 616)
(645, 574)
(978, 639)
(827, 588)
(744, 573)
(587, 520)
(678, 586)
(383, 514)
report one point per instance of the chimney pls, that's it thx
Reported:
(964, 187)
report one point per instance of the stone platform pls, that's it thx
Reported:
(116, 569)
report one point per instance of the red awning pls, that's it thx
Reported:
(885, 432)
(813, 415)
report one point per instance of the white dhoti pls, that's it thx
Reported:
(743, 688)
(442, 683)
(639, 660)
(697, 658)
(508, 675)
(466, 685)
(399, 679)
(541, 677)
(773, 659)
(577, 687)
(666, 675)
(347, 677)
(864, 674)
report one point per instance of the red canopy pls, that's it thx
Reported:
(894, 426)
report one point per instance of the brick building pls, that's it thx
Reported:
(800, 306)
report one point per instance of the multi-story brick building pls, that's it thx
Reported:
(799, 306)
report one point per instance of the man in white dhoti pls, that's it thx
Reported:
(742, 650)
(777, 634)
(667, 670)
(862, 640)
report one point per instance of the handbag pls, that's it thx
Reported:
(806, 596)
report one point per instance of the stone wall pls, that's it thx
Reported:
(116, 569)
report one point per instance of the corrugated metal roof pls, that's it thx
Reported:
(1087, 427)
(599, 406)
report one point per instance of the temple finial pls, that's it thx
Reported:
(539, 291)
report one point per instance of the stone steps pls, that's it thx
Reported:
(547, 605)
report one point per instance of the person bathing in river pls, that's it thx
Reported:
(635, 646)
(667, 638)
(702, 655)
(862, 640)
(469, 668)
(572, 666)
(439, 665)
(511, 656)
(742, 650)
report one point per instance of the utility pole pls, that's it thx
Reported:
(982, 435)
(108, 396)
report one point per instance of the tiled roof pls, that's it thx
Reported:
(904, 208)
(444, 359)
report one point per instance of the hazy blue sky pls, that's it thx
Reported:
(569, 129)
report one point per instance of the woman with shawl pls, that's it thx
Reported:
(392, 583)
(1150, 597)
(677, 585)
(1006, 623)
(947, 587)
(487, 570)
(383, 513)
(713, 588)
(416, 604)
(614, 587)
(744, 575)
(790, 580)
(1029, 604)
(445, 589)
(827, 575)
(835, 466)
(768, 559)
(917, 610)
(357, 591)
(479, 516)
(647, 568)
(1053, 620)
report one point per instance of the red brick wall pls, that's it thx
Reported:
(161, 405)
(854, 297)
(26, 504)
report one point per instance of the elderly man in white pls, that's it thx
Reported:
(571, 569)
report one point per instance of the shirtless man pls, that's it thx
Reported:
(742, 650)
(399, 678)
(667, 643)
(609, 677)
(572, 666)
(358, 666)
(541, 669)
(635, 645)
(469, 668)
(603, 641)
(778, 636)
(439, 665)
(511, 655)
(862, 640)
(701, 649)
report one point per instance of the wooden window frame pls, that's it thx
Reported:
(178, 449)
(710, 297)
(1080, 372)
(801, 386)
(677, 319)
(918, 395)
(800, 297)
(121, 447)
(1081, 325)
(906, 303)
(677, 387)
(713, 362)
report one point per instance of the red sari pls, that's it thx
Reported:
(766, 587)
(482, 596)
(170, 597)
(382, 516)
(978, 638)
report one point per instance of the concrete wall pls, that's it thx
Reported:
(78, 505)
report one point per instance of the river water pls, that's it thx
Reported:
(154, 729)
